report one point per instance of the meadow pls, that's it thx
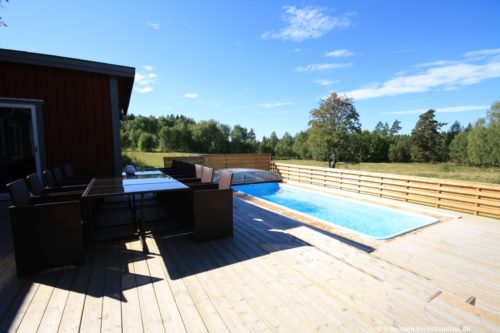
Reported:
(154, 159)
(433, 170)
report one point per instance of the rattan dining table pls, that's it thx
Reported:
(139, 184)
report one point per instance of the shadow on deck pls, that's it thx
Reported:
(113, 268)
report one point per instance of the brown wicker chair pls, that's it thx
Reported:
(212, 210)
(51, 183)
(182, 170)
(38, 190)
(60, 178)
(69, 173)
(206, 183)
(44, 234)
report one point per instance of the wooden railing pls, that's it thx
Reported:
(475, 198)
(221, 161)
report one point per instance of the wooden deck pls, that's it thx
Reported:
(275, 275)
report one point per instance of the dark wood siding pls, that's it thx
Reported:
(76, 112)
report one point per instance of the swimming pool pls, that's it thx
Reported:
(373, 220)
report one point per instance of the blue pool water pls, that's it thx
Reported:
(372, 220)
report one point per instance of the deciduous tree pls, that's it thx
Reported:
(331, 129)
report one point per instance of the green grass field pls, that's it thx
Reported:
(151, 159)
(438, 170)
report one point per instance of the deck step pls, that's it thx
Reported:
(471, 300)
(447, 302)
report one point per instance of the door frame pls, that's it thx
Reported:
(35, 107)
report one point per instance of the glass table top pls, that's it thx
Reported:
(141, 182)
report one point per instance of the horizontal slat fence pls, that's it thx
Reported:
(475, 198)
(167, 161)
(254, 161)
(221, 161)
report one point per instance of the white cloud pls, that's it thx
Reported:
(307, 22)
(270, 105)
(483, 53)
(322, 67)
(144, 80)
(155, 26)
(273, 105)
(437, 63)
(339, 53)
(325, 82)
(191, 95)
(443, 74)
(143, 90)
(449, 109)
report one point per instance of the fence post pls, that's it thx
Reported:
(478, 196)
(439, 196)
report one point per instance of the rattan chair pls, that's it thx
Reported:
(45, 235)
(69, 173)
(51, 183)
(37, 188)
(60, 178)
(212, 210)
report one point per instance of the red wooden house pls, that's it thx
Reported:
(55, 110)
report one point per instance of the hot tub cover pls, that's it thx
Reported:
(249, 176)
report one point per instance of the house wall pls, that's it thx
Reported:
(76, 113)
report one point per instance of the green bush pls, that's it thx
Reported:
(147, 142)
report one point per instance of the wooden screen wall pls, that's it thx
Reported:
(475, 198)
(222, 161)
(253, 161)
(167, 161)
(76, 112)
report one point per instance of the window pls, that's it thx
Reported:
(14, 140)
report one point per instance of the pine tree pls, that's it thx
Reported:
(426, 141)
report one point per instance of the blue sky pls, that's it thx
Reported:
(266, 64)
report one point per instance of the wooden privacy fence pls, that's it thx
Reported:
(195, 159)
(221, 161)
(469, 197)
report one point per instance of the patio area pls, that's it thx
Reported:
(275, 275)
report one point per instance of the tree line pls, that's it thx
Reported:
(334, 134)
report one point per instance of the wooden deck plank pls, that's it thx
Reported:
(92, 308)
(308, 301)
(224, 308)
(192, 319)
(18, 307)
(356, 289)
(247, 314)
(203, 303)
(55, 308)
(9, 295)
(458, 264)
(172, 320)
(71, 317)
(276, 274)
(111, 305)
(294, 259)
(150, 311)
(34, 313)
(130, 305)
(422, 315)
(278, 316)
